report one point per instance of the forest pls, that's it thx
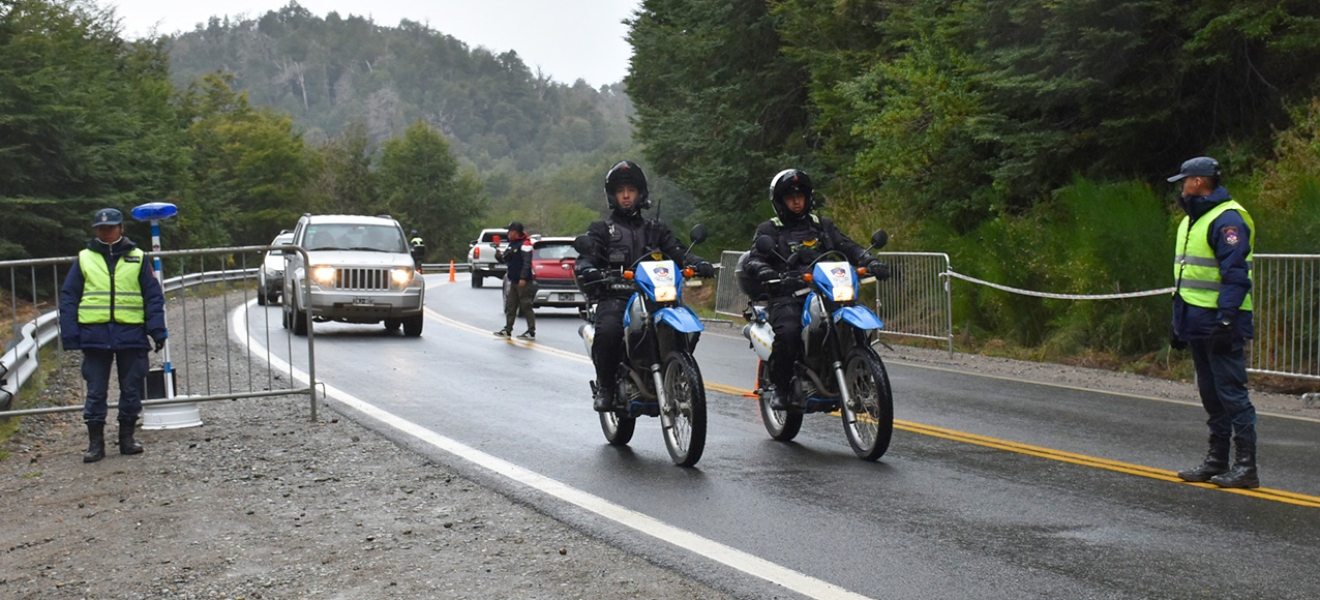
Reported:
(1028, 139)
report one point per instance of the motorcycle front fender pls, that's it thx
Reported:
(680, 318)
(859, 317)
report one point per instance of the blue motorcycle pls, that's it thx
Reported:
(658, 377)
(838, 369)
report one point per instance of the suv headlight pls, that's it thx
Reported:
(401, 276)
(323, 274)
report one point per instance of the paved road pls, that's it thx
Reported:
(991, 488)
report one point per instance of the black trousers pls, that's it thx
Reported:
(607, 351)
(786, 320)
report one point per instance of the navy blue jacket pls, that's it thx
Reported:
(518, 257)
(1195, 322)
(111, 336)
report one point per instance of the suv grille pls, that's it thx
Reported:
(362, 279)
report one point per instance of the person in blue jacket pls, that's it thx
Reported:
(1212, 313)
(112, 308)
(520, 282)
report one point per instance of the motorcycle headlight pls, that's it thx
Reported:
(323, 274)
(401, 276)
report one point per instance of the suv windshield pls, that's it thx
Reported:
(338, 236)
(554, 252)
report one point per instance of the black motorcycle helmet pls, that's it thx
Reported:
(627, 172)
(786, 182)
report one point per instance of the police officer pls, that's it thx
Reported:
(618, 241)
(416, 239)
(800, 237)
(519, 282)
(113, 309)
(1212, 313)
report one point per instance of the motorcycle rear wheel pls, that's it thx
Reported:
(683, 419)
(782, 425)
(617, 427)
(868, 418)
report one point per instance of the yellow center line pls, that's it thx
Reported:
(1275, 495)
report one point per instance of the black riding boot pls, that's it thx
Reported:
(1215, 463)
(95, 443)
(1243, 473)
(604, 400)
(126, 443)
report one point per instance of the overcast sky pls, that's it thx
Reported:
(567, 39)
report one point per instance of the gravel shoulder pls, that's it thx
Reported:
(259, 502)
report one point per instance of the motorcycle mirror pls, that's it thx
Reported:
(879, 239)
(765, 244)
(582, 244)
(699, 234)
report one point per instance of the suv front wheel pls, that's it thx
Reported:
(412, 326)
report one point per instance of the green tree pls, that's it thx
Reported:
(421, 185)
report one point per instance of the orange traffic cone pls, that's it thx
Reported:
(451, 271)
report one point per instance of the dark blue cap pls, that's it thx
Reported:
(107, 216)
(1201, 166)
(516, 226)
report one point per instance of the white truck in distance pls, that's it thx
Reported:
(481, 255)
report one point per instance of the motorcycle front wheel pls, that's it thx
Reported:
(683, 418)
(868, 416)
(618, 429)
(782, 425)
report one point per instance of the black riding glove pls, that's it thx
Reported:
(878, 270)
(591, 275)
(766, 273)
(1221, 338)
(705, 270)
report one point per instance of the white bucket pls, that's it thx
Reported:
(171, 416)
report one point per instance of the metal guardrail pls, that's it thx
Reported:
(21, 360)
(1286, 298)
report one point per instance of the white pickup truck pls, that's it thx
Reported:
(481, 255)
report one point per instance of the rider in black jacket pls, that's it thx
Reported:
(800, 237)
(617, 242)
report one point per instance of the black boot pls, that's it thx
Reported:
(604, 400)
(126, 443)
(1215, 463)
(95, 443)
(1243, 473)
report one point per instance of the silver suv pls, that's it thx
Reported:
(361, 272)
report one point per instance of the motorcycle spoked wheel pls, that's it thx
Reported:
(683, 420)
(782, 425)
(616, 425)
(869, 420)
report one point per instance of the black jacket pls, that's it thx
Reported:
(796, 236)
(619, 240)
(518, 257)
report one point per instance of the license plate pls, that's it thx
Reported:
(363, 302)
(567, 297)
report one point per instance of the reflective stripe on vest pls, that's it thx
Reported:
(104, 297)
(1195, 268)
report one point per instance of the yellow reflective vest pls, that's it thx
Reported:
(1195, 268)
(105, 298)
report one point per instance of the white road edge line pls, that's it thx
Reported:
(732, 557)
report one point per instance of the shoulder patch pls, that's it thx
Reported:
(1231, 236)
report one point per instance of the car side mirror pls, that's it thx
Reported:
(764, 244)
(699, 234)
(582, 244)
(879, 239)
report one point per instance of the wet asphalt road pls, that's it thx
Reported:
(990, 489)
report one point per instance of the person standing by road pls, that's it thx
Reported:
(112, 308)
(617, 242)
(1212, 313)
(518, 281)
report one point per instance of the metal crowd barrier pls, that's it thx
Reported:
(917, 300)
(729, 299)
(1286, 298)
(205, 276)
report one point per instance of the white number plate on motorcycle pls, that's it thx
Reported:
(840, 276)
(664, 279)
